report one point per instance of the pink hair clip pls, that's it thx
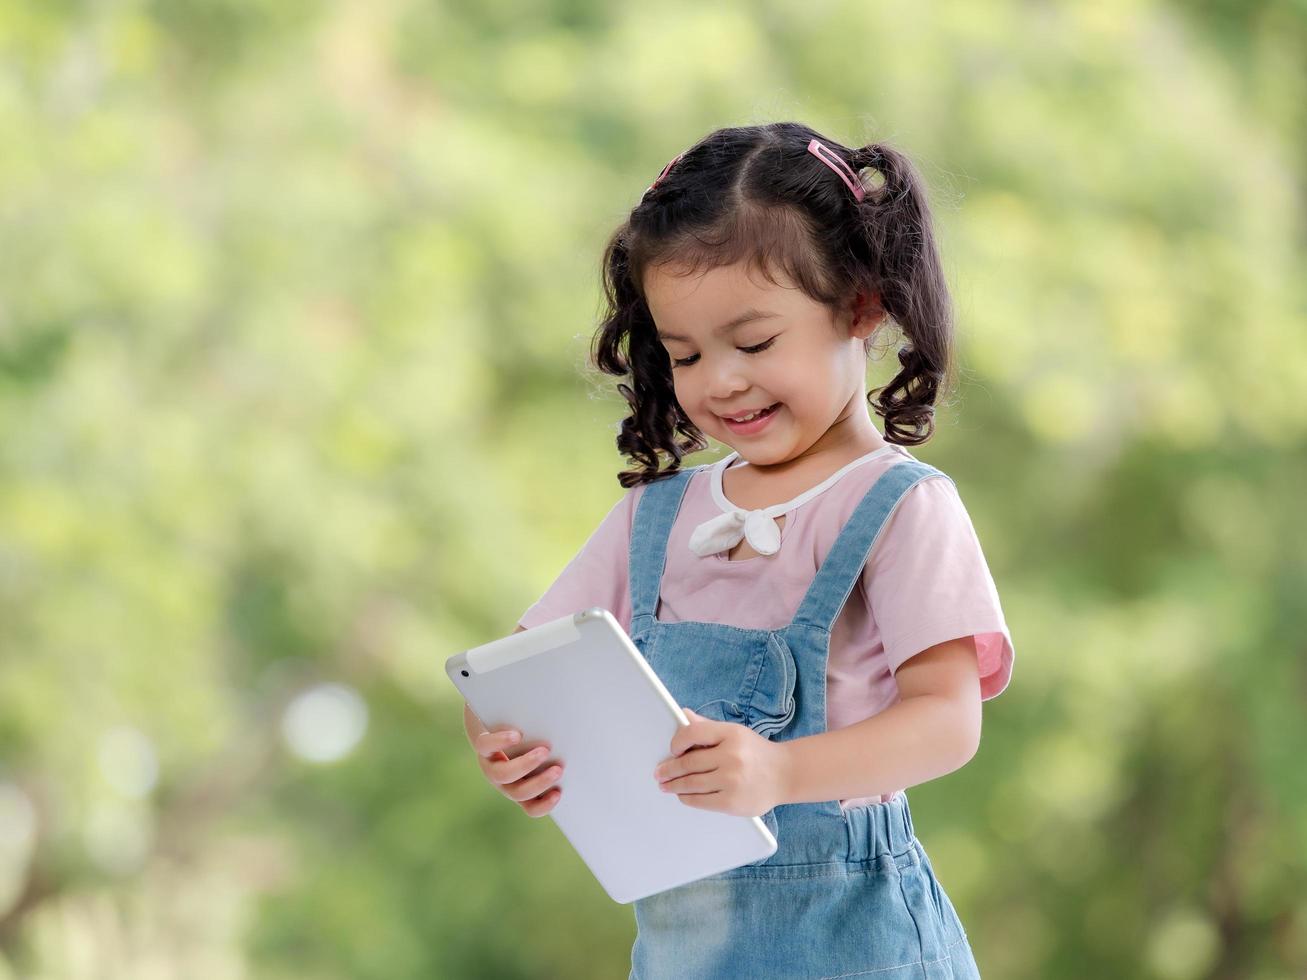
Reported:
(817, 149)
(664, 173)
(842, 169)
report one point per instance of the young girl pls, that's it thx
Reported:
(817, 599)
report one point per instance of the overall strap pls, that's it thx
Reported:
(654, 516)
(842, 568)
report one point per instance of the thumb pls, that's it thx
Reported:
(690, 736)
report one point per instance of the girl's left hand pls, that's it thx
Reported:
(723, 766)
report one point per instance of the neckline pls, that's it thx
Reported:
(775, 510)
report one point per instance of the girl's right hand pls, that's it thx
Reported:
(519, 778)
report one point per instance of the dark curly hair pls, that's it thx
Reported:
(755, 194)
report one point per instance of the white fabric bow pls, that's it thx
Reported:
(727, 529)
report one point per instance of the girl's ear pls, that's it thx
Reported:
(867, 314)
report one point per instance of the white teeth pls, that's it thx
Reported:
(752, 415)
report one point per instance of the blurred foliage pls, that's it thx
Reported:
(295, 300)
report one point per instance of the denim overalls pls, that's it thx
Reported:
(847, 893)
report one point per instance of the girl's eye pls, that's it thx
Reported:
(755, 349)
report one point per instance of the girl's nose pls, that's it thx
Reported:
(725, 381)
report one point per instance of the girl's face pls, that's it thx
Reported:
(739, 344)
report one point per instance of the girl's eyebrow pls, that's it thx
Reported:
(748, 316)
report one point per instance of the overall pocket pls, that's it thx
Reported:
(726, 674)
(948, 915)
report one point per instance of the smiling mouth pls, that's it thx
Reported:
(753, 415)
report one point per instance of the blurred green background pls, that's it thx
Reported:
(295, 302)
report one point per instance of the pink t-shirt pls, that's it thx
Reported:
(925, 581)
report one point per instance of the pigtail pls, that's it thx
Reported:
(906, 272)
(656, 416)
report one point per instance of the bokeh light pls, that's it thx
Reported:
(325, 723)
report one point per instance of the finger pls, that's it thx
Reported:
(542, 804)
(698, 782)
(700, 801)
(702, 731)
(699, 760)
(529, 762)
(488, 743)
(703, 759)
(537, 785)
(525, 764)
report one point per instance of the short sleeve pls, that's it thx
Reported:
(598, 575)
(927, 581)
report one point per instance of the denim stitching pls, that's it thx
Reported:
(921, 939)
(770, 875)
(904, 966)
(880, 969)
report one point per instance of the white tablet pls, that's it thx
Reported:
(579, 684)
